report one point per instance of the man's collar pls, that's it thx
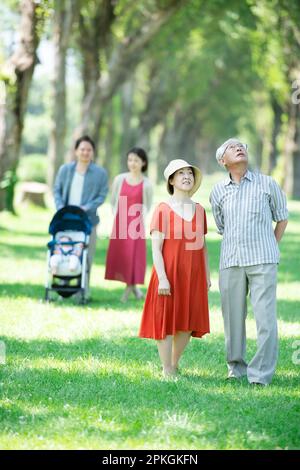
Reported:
(247, 175)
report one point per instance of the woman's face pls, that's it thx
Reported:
(134, 163)
(183, 179)
(84, 152)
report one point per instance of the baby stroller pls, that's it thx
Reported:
(71, 222)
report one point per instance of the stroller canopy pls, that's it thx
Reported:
(70, 218)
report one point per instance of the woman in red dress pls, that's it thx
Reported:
(176, 305)
(131, 198)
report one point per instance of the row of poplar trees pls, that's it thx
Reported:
(176, 76)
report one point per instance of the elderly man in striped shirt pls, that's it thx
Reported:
(244, 206)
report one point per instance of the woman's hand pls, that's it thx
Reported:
(164, 287)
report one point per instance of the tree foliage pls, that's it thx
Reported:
(179, 77)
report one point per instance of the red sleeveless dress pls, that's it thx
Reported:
(186, 309)
(126, 256)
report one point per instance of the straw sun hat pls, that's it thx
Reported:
(177, 164)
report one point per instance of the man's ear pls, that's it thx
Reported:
(222, 161)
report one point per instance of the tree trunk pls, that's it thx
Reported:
(291, 35)
(292, 153)
(64, 15)
(108, 139)
(121, 64)
(111, 137)
(159, 101)
(166, 149)
(296, 159)
(258, 152)
(127, 138)
(94, 38)
(21, 66)
(277, 114)
(205, 150)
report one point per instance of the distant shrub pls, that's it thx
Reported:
(33, 168)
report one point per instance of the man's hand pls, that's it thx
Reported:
(279, 229)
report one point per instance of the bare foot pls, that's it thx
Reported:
(138, 293)
(169, 372)
(126, 293)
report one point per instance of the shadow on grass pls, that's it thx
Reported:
(39, 251)
(124, 388)
(25, 252)
(101, 297)
(26, 233)
(288, 267)
(289, 259)
(287, 310)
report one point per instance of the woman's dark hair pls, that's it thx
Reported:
(142, 154)
(170, 186)
(85, 138)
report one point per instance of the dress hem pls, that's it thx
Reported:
(194, 334)
(124, 281)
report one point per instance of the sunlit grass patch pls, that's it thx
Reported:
(78, 377)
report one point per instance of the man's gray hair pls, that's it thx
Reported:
(221, 150)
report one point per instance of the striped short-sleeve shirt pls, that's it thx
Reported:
(243, 214)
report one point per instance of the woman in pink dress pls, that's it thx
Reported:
(131, 198)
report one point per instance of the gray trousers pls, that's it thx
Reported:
(261, 281)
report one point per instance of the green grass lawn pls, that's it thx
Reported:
(78, 377)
